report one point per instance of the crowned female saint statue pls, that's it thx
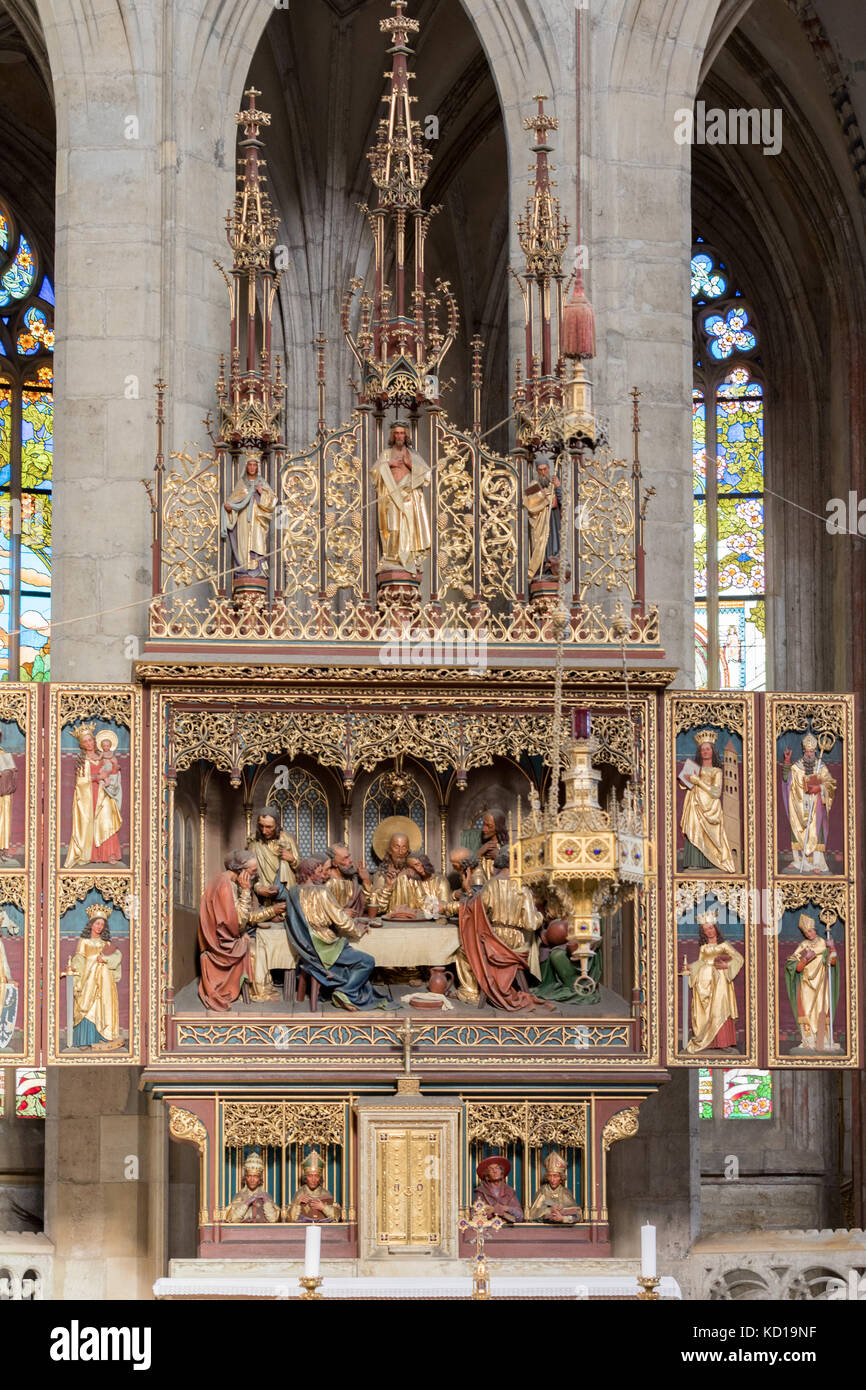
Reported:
(711, 981)
(703, 824)
(399, 477)
(96, 969)
(248, 510)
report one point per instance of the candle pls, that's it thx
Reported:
(312, 1252)
(648, 1252)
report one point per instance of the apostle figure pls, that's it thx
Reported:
(542, 501)
(711, 981)
(96, 802)
(392, 841)
(492, 1189)
(8, 784)
(312, 1203)
(248, 511)
(812, 983)
(399, 477)
(498, 922)
(706, 841)
(553, 1201)
(275, 850)
(430, 891)
(560, 970)
(226, 913)
(807, 793)
(494, 839)
(251, 1203)
(348, 883)
(320, 931)
(96, 971)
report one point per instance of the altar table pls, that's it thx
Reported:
(401, 944)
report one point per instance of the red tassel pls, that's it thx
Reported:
(578, 324)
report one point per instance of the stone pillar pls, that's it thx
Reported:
(655, 1177)
(105, 1178)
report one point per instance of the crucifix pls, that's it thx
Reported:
(407, 1084)
(475, 1228)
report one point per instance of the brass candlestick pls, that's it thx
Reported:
(648, 1288)
(310, 1284)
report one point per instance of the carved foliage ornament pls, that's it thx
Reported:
(187, 1128)
(694, 714)
(277, 1123)
(622, 1125)
(532, 1123)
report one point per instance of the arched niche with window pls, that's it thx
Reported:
(728, 466)
(26, 452)
(304, 811)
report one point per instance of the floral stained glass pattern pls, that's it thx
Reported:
(729, 333)
(740, 434)
(700, 546)
(728, 480)
(699, 441)
(30, 1093)
(705, 1093)
(35, 334)
(741, 545)
(707, 280)
(26, 458)
(5, 432)
(17, 282)
(748, 1095)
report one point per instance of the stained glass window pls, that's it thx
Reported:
(26, 455)
(741, 1094)
(748, 1095)
(728, 483)
(30, 1093)
(705, 1093)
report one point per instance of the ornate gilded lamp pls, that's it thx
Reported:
(580, 854)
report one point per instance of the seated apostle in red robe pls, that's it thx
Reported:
(226, 913)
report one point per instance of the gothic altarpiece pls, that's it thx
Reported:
(397, 635)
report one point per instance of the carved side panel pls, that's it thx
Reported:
(95, 807)
(343, 514)
(298, 524)
(19, 868)
(711, 811)
(190, 523)
(812, 856)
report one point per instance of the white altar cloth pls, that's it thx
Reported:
(410, 943)
(615, 1286)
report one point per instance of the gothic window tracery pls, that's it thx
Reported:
(26, 453)
(380, 803)
(304, 810)
(728, 428)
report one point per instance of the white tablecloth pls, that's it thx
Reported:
(411, 943)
